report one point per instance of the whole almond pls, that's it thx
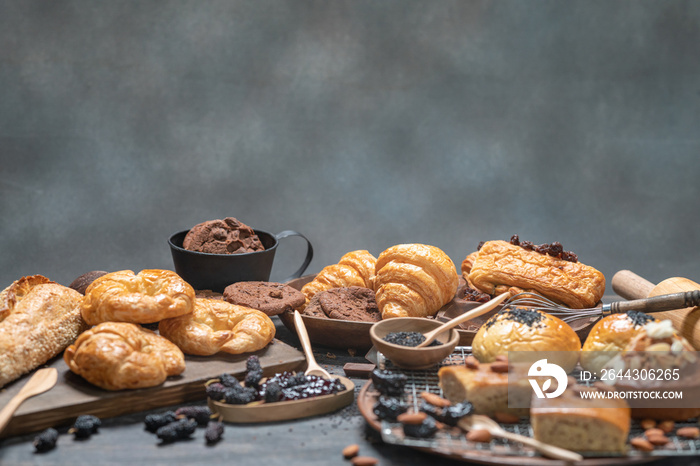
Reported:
(666, 426)
(412, 418)
(502, 358)
(688, 432)
(351, 451)
(653, 431)
(506, 418)
(499, 367)
(435, 400)
(647, 424)
(479, 435)
(364, 461)
(471, 362)
(641, 444)
(658, 439)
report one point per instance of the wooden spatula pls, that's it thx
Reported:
(42, 380)
(629, 285)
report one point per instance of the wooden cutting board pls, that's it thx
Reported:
(73, 396)
(631, 286)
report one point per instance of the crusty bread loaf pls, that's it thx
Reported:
(38, 320)
(486, 389)
(581, 424)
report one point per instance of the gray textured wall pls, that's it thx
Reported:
(362, 124)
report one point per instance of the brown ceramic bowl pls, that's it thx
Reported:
(408, 357)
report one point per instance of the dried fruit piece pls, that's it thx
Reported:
(666, 426)
(214, 432)
(178, 430)
(471, 362)
(201, 414)
(479, 435)
(389, 383)
(388, 408)
(154, 422)
(364, 461)
(658, 440)
(46, 440)
(688, 432)
(499, 367)
(411, 418)
(435, 400)
(642, 444)
(84, 426)
(647, 424)
(351, 451)
(506, 418)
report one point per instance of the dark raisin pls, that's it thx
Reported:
(214, 432)
(388, 383)
(470, 294)
(480, 245)
(178, 430)
(85, 425)
(388, 408)
(529, 245)
(555, 249)
(46, 440)
(425, 429)
(154, 422)
(515, 240)
(453, 413)
(201, 414)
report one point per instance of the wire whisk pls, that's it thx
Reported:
(659, 303)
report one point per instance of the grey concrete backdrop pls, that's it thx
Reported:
(361, 124)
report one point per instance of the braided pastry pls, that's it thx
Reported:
(216, 325)
(119, 355)
(148, 297)
(355, 268)
(414, 280)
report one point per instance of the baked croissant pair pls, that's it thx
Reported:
(410, 280)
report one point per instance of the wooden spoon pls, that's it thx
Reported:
(476, 421)
(312, 366)
(41, 381)
(476, 312)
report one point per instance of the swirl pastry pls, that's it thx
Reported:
(119, 355)
(355, 268)
(414, 280)
(38, 320)
(216, 325)
(150, 296)
(501, 265)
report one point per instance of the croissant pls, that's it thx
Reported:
(216, 325)
(501, 265)
(149, 296)
(38, 320)
(355, 268)
(119, 355)
(414, 280)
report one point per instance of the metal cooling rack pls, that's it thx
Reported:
(453, 442)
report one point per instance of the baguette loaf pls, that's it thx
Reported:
(38, 320)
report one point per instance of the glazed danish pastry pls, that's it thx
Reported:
(356, 268)
(217, 325)
(414, 280)
(120, 355)
(38, 320)
(150, 296)
(501, 265)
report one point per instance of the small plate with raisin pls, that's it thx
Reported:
(281, 397)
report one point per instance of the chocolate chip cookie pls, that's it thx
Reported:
(269, 297)
(227, 236)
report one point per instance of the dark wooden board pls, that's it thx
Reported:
(73, 396)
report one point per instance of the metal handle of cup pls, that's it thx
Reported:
(309, 252)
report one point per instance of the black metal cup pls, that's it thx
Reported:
(215, 272)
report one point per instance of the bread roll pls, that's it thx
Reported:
(218, 326)
(120, 355)
(517, 332)
(501, 265)
(610, 335)
(38, 320)
(414, 280)
(150, 296)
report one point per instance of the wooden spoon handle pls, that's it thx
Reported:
(9, 410)
(305, 343)
(547, 450)
(629, 285)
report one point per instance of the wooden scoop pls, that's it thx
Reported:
(476, 421)
(474, 313)
(42, 380)
(631, 286)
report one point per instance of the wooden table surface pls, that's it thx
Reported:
(313, 441)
